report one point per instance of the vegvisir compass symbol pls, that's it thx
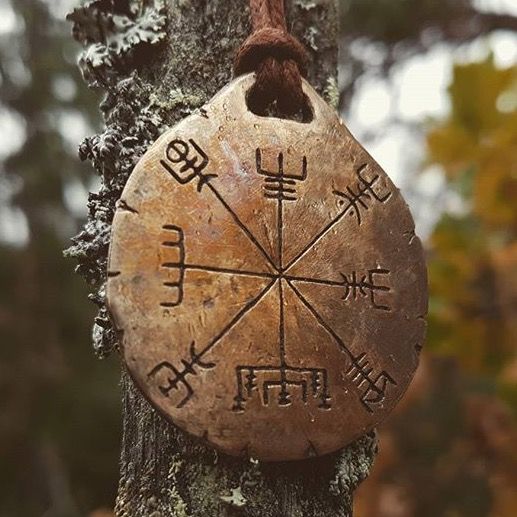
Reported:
(265, 281)
(281, 384)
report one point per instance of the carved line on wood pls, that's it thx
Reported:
(356, 203)
(281, 186)
(179, 378)
(372, 389)
(175, 243)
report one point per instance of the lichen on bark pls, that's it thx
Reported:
(158, 61)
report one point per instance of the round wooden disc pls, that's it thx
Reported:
(267, 281)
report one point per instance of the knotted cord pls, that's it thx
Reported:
(278, 59)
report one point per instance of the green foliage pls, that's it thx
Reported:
(452, 444)
(461, 416)
(476, 146)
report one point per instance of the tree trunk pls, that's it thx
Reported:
(159, 61)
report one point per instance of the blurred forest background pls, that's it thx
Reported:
(430, 88)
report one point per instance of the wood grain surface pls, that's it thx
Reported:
(266, 280)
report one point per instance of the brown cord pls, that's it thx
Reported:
(278, 59)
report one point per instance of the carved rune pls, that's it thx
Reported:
(365, 286)
(173, 261)
(186, 167)
(373, 387)
(281, 379)
(363, 195)
(170, 378)
(278, 184)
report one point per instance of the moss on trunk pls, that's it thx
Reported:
(157, 62)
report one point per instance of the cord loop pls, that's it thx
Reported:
(278, 59)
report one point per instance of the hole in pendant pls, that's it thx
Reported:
(304, 114)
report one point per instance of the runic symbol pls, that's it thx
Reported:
(173, 260)
(363, 194)
(373, 388)
(279, 185)
(171, 378)
(277, 384)
(264, 379)
(179, 152)
(365, 286)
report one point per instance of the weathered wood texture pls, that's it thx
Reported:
(158, 62)
(266, 280)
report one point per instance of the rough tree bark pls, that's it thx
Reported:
(157, 62)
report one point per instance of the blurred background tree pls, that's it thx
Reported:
(59, 416)
(451, 448)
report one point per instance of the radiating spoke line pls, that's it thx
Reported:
(334, 283)
(321, 321)
(258, 274)
(318, 237)
(281, 329)
(280, 232)
(243, 227)
(229, 271)
(252, 303)
(178, 375)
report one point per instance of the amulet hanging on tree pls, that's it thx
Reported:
(267, 281)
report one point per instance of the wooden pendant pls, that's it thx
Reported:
(266, 280)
